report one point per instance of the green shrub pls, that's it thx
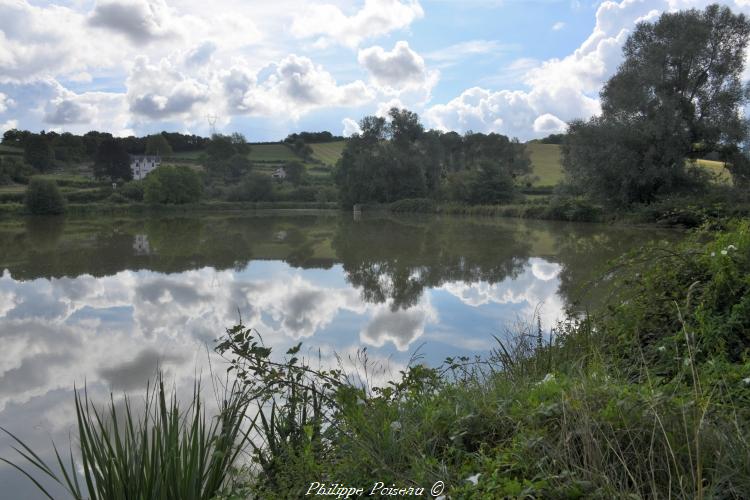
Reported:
(88, 195)
(253, 187)
(43, 197)
(172, 185)
(133, 190)
(117, 198)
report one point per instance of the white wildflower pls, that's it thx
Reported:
(475, 478)
(713, 254)
(395, 426)
(731, 247)
(686, 362)
(746, 380)
(661, 348)
(723, 252)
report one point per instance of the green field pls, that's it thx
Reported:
(717, 168)
(545, 162)
(272, 153)
(328, 152)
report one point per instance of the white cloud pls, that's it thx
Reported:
(140, 21)
(37, 41)
(400, 69)
(376, 17)
(162, 91)
(296, 87)
(558, 26)
(351, 127)
(549, 124)
(8, 125)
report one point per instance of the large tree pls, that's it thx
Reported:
(678, 90)
(37, 152)
(158, 145)
(112, 160)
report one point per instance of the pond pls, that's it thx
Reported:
(106, 300)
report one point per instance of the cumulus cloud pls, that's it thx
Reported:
(399, 69)
(81, 112)
(162, 91)
(376, 17)
(295, 87)
(549, 124)
(351, 127)
(8, 125)
(558, 26)
(141, 21)
(37, 41)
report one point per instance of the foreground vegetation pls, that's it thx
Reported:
(648, 396)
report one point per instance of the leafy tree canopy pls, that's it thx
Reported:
(112, 160)
(172, 185)
(679, 85)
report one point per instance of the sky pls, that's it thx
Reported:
(269, 68)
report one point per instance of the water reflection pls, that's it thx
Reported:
(109, 300)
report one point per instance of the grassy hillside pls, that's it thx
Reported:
(328, 152)
(545, 162)
(272, 152)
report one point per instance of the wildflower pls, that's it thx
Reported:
(474, 479)
(661, 348)
(713, 254)
(723, 252)
(395, 426)
(746, 380)
(731, 247)
(686, 362)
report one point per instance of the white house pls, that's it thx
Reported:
(141, 165)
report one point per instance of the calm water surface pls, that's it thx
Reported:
(106, 300)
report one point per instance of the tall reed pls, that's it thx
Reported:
(164, 451)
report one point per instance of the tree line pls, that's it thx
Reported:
(395, 158)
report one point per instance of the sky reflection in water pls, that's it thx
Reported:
(106, 302)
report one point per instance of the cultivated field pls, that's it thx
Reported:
(328, 152)
(272, 152)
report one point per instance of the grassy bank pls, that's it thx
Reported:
(682, 212)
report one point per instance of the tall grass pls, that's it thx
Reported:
(164, 451)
